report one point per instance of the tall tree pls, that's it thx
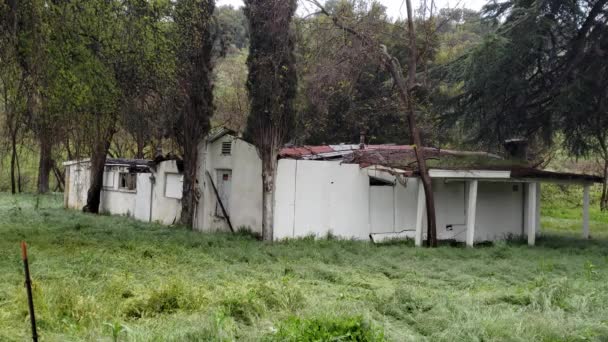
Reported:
(11, 87)
(193, 19)
(272, 85)
(542, 71)
(345, 90)
(31, 30)
(100, 23)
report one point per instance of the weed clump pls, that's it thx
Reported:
(326, 329)
(552, 295)
(244, 309)
(166, 300)
(280, 295)
(516, 299)
(402, 304)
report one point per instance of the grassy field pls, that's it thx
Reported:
(112, 278)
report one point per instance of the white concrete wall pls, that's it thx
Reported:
(78, 177)
(245, 204)
(314, 197)
(164, 209)
(393, 208)
(499, 210)
(406, 205)
(317, 197)
(124, 202)
(118, 202)
(382, 209)
(450, 206)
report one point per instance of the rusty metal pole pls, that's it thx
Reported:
(28, 286)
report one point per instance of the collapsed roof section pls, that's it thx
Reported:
(402, 159)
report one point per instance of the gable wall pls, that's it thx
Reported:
(245, 203)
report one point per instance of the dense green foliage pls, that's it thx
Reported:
(272, 78)
(100, 276)
(542, 70)
(344, 90)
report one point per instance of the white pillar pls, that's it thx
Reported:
(420, 214)
(471, 212)
(531, 217)
(586, 211)
(538, 195)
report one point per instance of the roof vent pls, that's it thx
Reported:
(517, 148)
(226, 147)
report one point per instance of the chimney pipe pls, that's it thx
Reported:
(517, 148)
(362, 140)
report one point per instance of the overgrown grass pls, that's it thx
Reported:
(112, 278)
(562, 210)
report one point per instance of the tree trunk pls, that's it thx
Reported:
(190, 194)
(139, 154)
(60, 177)
(414, 132)
(604, 198)
(19, 184)
(405, 93)
(13, 162)
(98, 163)
(45, 163)
(269, 167)
(408, 99)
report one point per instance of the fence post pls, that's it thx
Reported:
(28, 286)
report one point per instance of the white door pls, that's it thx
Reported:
(382, 209)
(224, 186)
(143, 197)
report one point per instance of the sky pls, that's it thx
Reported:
(395, 8)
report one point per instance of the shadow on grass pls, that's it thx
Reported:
(571, 241)
(550, 240)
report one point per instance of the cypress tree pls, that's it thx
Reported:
(271, 83)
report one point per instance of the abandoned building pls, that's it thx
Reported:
(351, 191)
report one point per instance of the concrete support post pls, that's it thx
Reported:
(586, 211)
(538, 194)
(421, 208)
(471, 212)
(531, 217)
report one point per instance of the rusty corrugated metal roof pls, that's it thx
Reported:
(403, 157)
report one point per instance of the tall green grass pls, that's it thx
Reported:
(104, 278)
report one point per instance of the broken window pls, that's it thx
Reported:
(226, 148)
(377, 181)
(127, 181)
